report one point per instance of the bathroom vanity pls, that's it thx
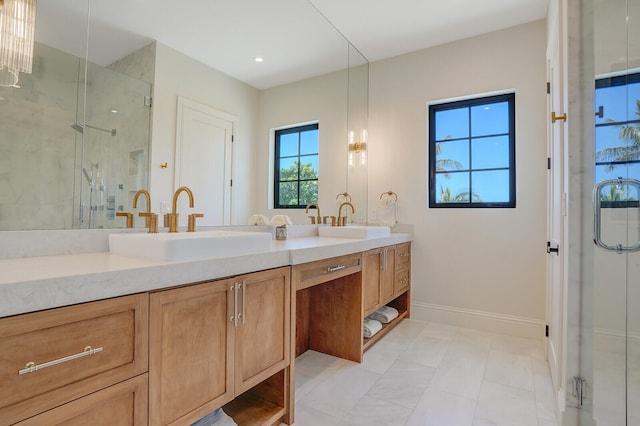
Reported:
(187, 337)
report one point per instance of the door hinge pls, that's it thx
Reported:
(546, 330)
(548, 163)
(233, 138)
(579, 387)
(148, 100)
(548, 87)
(550, 249)
(231, 182)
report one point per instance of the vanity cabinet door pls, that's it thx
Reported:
(378, 277)
(388, 273)
(371, 267)
(191, 352)
(264, 326)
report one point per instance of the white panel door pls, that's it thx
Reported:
(203, 162)
(556, 216)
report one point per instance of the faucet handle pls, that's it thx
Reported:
(313, 220)
(129, 217)
(152, 221)
(192, 221)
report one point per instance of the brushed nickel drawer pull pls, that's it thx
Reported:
(244, 304)
(235, 305)
(335, 268)
(31, 367)
(404, 254)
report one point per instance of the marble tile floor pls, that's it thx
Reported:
(424, 374)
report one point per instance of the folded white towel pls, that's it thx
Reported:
(385, 314)
(370, 327)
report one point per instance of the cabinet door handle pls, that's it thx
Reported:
(404, 254)
(335, 268)
(31, 367)
(235, 305)
(244, 298)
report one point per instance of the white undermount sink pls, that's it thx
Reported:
(354, 231)
(188, 245)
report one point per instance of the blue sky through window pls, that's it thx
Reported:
(617, 98)
(473, 151)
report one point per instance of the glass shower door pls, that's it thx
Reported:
(613, 348)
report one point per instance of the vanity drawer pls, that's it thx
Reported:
(123, 404)
(402, 281)
(403, 255)
(72, 351)
(312, 273)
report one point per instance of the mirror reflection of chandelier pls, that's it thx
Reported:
(17, 28)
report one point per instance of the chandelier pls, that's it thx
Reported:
(17, 25)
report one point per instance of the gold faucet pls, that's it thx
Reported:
(313, 219)
(135, 204)
(129, 217)
(150, 219)
(342, 221)
(192, 221)
(173, 216)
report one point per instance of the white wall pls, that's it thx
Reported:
(322, 99)
(475, 267)
(179, 75)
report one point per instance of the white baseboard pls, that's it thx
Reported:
(487, 321)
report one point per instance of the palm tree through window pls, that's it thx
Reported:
(617, 136)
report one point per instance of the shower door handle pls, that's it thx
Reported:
(597, 205)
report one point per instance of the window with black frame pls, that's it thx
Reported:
(472, 153)
(296, 166)
(617, 137)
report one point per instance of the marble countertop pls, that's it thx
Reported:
(30, 284)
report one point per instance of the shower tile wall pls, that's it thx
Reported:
(37, 144)
(40, 169)
(122, 159)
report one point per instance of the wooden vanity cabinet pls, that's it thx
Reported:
(52, 361)
(220, 342)
(386, 280)
(371, 267)
(328, 304)
(379, 276)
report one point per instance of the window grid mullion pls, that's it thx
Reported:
(470, 155)
(506, 199)
(299, 165)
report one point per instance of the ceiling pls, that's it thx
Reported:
(293, 36)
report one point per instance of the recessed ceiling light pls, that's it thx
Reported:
(258, 59)
(114, 111)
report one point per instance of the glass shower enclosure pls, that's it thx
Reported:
(609, 387)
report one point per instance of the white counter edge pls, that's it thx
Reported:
(38, 283)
